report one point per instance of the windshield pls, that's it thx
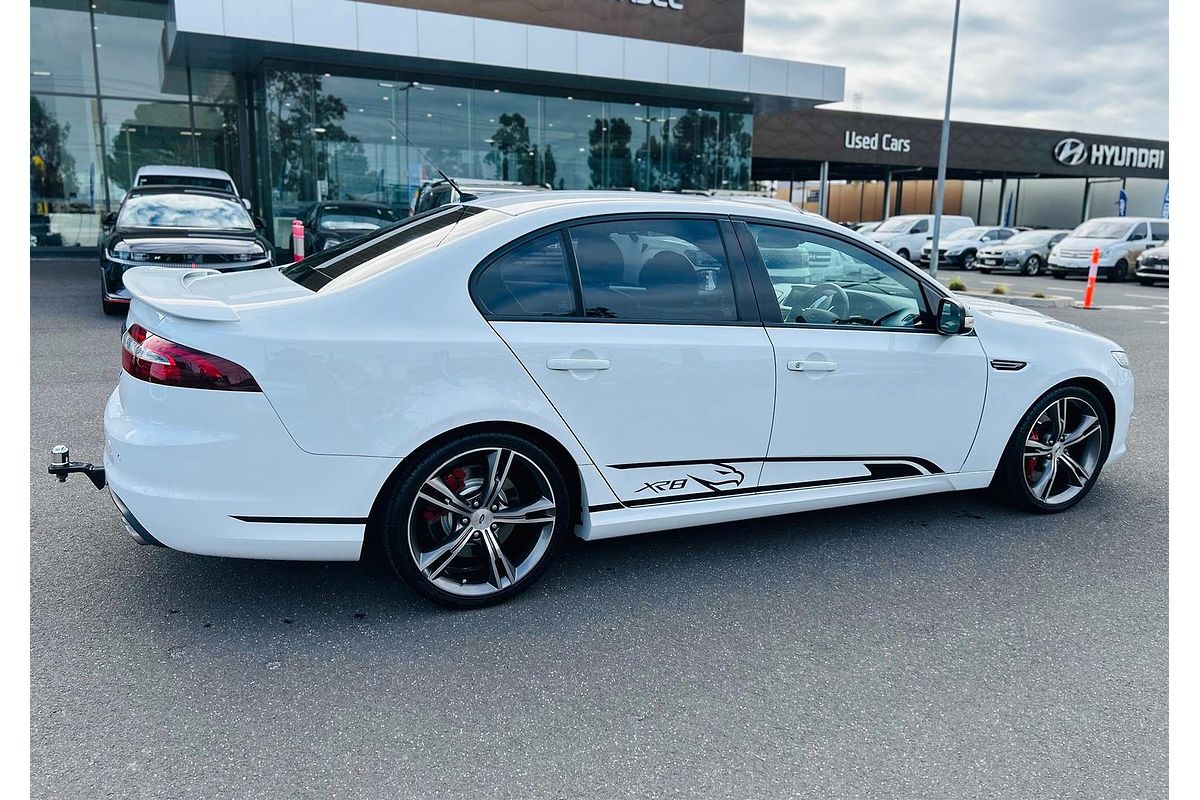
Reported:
(1101, 230)
(340, 219)
(896, 224)
(964, 233)
(1032, 237)
(427, 228)
(220, 184)
(184, 211)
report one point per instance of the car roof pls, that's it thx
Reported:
(1124, 219)
(188, 172)
(585, 203)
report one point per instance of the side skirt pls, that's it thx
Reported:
(609, 522)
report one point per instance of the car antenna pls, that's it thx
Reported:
(463, 196)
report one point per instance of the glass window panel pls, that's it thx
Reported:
(569, 153)
(66, 192)
(823, 281)
(505, 135)
(60, 47)
(129, 51)
(660, 269)
(213, 86)
(528, 281)
(439, 132)
(140, 133)
(216, 140)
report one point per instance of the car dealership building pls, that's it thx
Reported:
(307, 100)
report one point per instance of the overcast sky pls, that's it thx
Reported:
(1097, 66)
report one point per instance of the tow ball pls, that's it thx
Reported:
(61, 465)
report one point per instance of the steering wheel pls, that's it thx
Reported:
(838, 307)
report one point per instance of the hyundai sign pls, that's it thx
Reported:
(1071, 152)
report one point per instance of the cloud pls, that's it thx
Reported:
(1098, 66)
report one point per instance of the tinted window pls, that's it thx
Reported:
(920, 227)
(1003, 234)
(319, 269)
(819, 280)
(196, 181)
(1138, 232)
(184, 211)
(1160, 231)
(654, 269)
(530, 280)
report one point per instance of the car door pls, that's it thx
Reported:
(643, 334)
(866, 387)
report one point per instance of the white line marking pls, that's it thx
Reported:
(1145, 296)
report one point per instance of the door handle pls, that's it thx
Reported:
(812, 366)
(568, 364)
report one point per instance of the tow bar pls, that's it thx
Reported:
(62, 466)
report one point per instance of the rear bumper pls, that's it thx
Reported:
(215, 473)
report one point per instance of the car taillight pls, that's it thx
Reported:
(151, 358)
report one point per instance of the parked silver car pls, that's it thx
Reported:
(1025, 252)
(1154, 265)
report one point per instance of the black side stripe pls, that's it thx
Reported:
(925, 463)
(304, 520)
(879, 472)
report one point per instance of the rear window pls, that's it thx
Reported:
(184, 211)
(197, 181)
(429, 228)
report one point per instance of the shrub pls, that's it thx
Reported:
(1000, 289)
(956, 285)
(1038, 294)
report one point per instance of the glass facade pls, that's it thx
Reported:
(333, 137)
(103, 104)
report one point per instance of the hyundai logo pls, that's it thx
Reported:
(1070, 152)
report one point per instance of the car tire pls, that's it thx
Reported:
(1032, 265)
(1120, 272)
(1033, 474)
(983, 271)
(114, 309)
(1146, 281)
(969, 261)
(423, 511)
(903, 253)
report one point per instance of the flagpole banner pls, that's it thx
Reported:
(1166, 206)
(1122, 203)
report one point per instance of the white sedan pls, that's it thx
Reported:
(471, 386)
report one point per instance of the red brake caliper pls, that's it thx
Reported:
(1031, 462)
(455, 480)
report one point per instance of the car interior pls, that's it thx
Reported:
(818, 281)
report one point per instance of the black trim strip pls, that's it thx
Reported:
(925, 463)
(877, 476)
(133, 521)
(304, 520)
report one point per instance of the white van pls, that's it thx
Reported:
(1120, 241)
(904, 235)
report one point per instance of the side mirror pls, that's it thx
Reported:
(246, 203)
(259, 224)
(953, 318)
(109, 221)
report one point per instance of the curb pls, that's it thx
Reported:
(1053, 301)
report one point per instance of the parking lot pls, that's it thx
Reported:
(942, 646)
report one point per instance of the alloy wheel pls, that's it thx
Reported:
(481, 522)
(1062, 450)
(1033, 265)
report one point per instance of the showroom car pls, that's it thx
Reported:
(181, 228)
(961, 248)
(330, 223)
(473, 385)
(1025, 252)
(905, 234)
(1120, 241)
(1153, 265)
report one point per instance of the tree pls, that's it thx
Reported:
(51, 165)
(609, 159)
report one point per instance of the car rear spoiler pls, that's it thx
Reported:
(171, 292)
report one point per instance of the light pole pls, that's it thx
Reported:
(943, 151)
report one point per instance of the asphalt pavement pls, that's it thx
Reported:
(937, 647)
